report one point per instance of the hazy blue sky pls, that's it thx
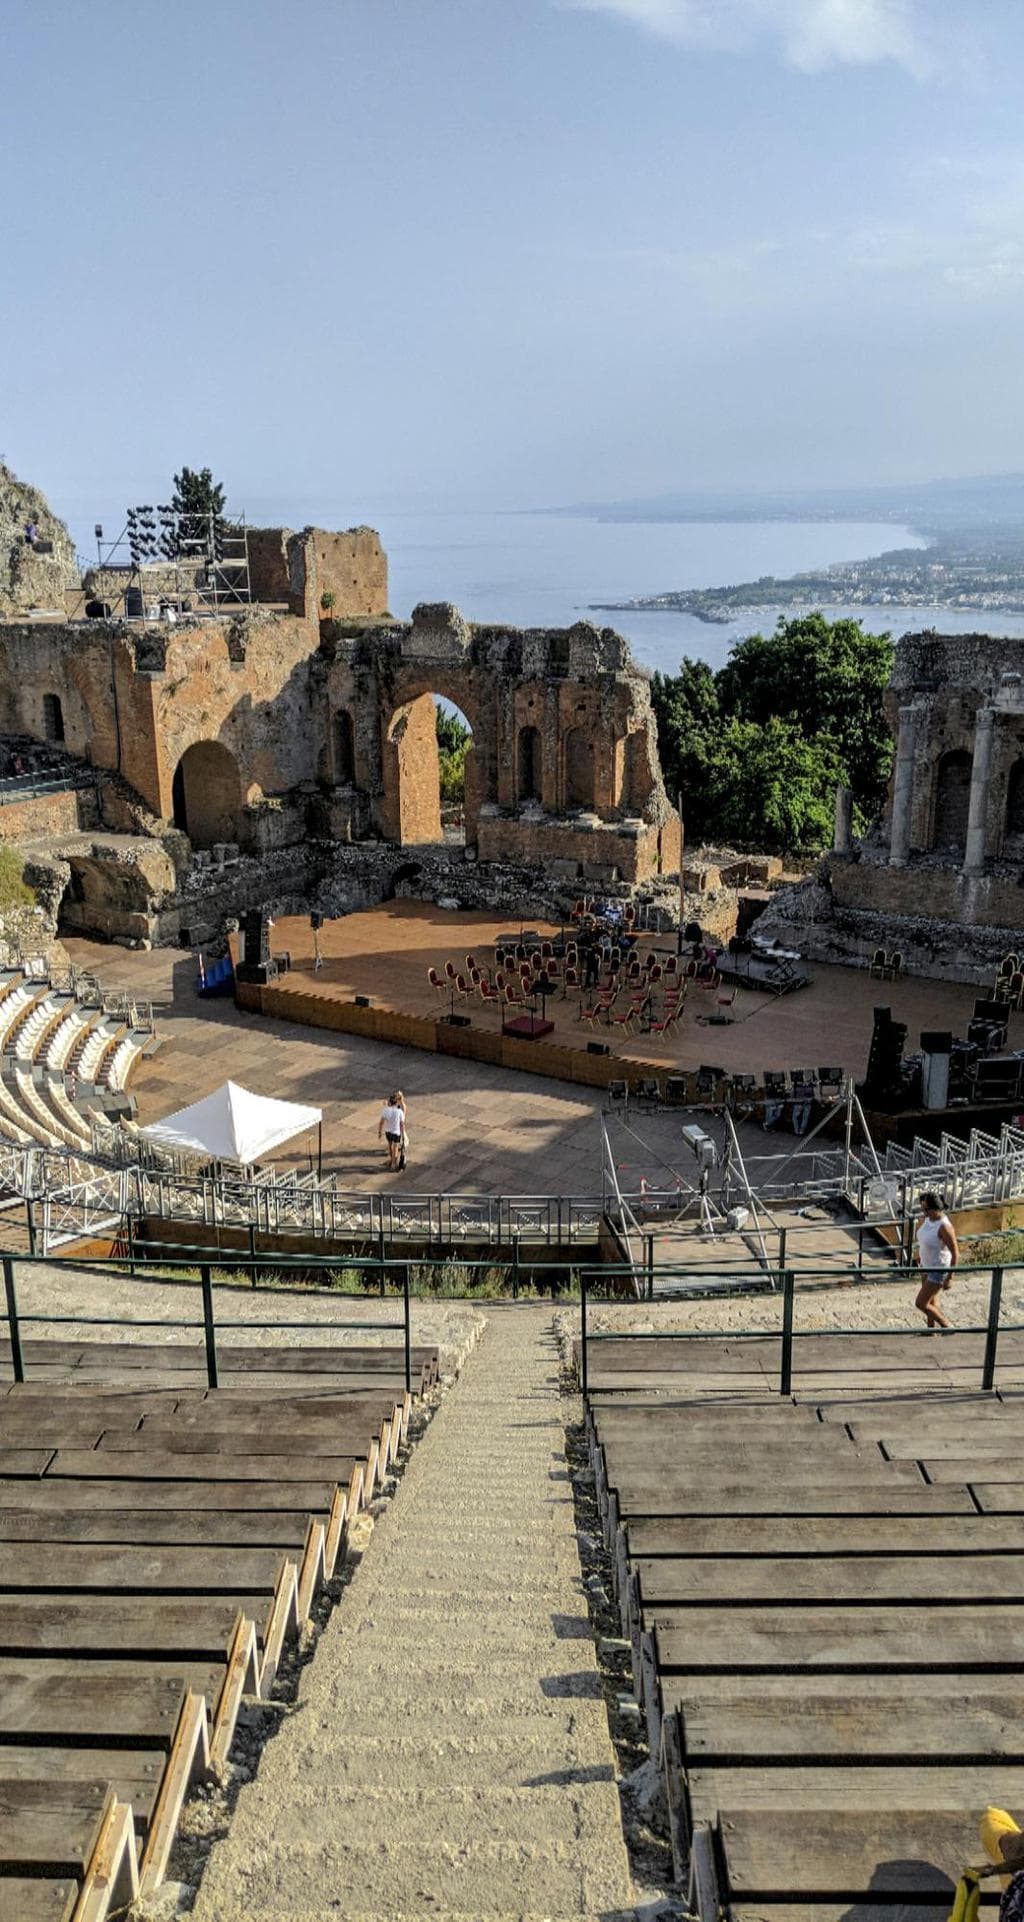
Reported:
(502, 252)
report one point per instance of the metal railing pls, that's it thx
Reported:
(212, 1327)
(788, 1332)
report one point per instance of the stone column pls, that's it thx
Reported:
(842, 839)
(981, 773)
(903, 786)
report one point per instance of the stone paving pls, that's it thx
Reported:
(449, 1751)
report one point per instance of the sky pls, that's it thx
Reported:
(464, 254)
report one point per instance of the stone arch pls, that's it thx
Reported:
(412, 788)
(528, 764)
(579, 768)
(207, 794)
(952, 801)
(344, 748)
(53, 718)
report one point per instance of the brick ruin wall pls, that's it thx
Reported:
(279, 732)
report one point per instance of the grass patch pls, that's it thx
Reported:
(14, 889)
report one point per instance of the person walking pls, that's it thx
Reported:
(937, 1253)
(391, 1128)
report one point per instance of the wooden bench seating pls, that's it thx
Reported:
(160, 1542)
(825, 1605)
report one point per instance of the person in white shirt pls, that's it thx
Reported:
(391, 1128)
(937, 1254)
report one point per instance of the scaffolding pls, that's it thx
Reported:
(167, 560)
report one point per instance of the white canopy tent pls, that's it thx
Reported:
(235, 1125)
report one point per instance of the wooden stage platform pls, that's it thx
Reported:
(384, 954)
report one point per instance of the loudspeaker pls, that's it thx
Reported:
(597, 1047)
(316, 920)
(455, 1020)
(256, 938)
(362, 1000)
(936, 1041)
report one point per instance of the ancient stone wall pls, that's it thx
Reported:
(563, 763)
(351, 566)
(47, 816)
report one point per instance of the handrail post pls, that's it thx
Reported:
(782, 1249)
(995, 1296)
(650, 1267)
(515, 1266)
(130, 1225)
(380, 1250)
(253, 1266)
(407, 1307)
(17, 1358)
(30, 1223)
(208, 1325)
(786, 1373)
(583, 1333)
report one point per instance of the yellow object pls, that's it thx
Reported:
(966, 1899)
(994, 1824)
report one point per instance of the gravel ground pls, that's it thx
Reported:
(863, 1304)
(56, 1288)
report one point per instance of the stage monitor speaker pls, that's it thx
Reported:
(455, 1021)
(362, 1000)
(597, 1047)
(256, 939)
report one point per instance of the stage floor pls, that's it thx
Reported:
(385, 953)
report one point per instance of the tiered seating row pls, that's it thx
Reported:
(825, 1606)
(160, 1543)
(45, 1035)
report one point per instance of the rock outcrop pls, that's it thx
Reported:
(37, 573)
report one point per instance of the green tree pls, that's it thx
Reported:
(828, 678)
(454, 740)
(196, 496)
(758, 749)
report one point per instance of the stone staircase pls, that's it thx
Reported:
(449, 1752)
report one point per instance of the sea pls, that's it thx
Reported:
(544, 570)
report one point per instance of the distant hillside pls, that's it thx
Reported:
(931, 507)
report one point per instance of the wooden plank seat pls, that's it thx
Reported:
(847, 1856)
(99, 1627)
(37, 1899)
(694, 1641)
(826, 1720)
(772, 1581)
(825, 1535)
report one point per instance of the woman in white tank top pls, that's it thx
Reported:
(937, 1254)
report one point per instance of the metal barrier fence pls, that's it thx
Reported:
(789, 1333)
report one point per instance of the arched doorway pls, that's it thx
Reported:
(207, 794)
(429, 776)
(53, 718)
(952, 802)
(528, 765)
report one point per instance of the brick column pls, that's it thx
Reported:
(903, 786)
(981, 773)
